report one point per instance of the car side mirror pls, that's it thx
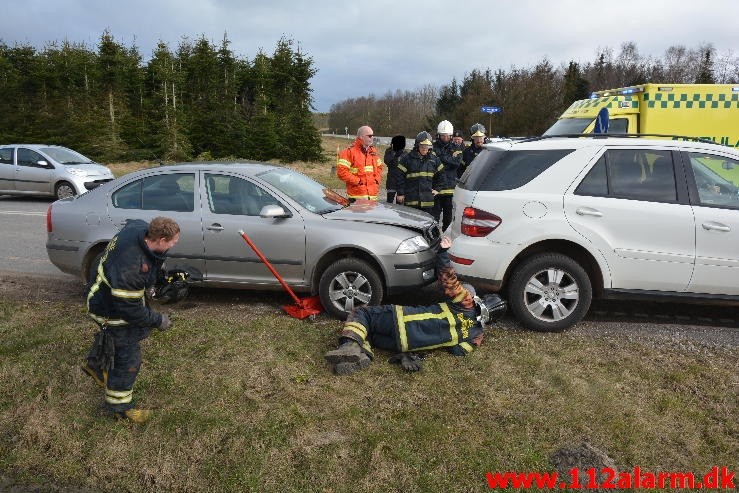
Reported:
(273, 211)
(43, 164)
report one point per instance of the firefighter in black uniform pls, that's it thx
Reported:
(128, 268)
(392, 158)
(421, 175)
(450, 155)
(456, 324)
(477, 134)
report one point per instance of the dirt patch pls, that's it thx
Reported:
(36, 287)
(582, 457)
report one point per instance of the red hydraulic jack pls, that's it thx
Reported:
(302, 308)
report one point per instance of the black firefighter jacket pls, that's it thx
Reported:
(450, 155)
(127, 269)
(418, 176)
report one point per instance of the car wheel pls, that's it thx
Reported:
(549, 292)
(64, 189)
(347, 284)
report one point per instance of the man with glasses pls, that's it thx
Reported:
(360, 167)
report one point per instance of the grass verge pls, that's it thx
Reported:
(245, 402)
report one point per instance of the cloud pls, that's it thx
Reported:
(372, 47)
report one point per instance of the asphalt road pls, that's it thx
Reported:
(23, 250)
(23, 236)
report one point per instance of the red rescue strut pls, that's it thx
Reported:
(303, 308)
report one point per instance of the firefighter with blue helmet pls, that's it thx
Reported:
(420, 175)
(477, 135)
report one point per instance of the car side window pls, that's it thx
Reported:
(618, 126)
(6, 155)
(595, 183)
(715, 178)
(170, 192)
(29, 158)
(233, 195)
(632, 174)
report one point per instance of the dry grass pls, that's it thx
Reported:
(244, 402)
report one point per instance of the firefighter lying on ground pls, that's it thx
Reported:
(456, 324)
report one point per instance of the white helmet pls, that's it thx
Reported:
(445, 127)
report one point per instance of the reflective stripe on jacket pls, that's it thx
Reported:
(360, 170)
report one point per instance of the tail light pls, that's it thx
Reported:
(478, 223)
(49, 227)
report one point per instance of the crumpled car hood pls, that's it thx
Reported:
(382, 213)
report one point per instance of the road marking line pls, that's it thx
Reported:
(23, 213)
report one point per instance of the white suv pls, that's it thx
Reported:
(557, 221)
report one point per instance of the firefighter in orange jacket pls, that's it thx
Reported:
(360, 167)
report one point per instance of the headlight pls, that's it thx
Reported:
(77, 171)
(412, 245)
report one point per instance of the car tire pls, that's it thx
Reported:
(92, 271)
(64, 189)
(549, 292)
(347, 284)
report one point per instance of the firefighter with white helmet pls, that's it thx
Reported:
(450, 155)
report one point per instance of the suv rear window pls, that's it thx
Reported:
(497, 169)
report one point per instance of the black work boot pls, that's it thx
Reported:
(348, 367)
(100, 376)
(349, 352)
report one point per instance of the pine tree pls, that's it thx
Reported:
(705, 69)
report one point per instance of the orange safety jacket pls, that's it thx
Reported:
(361, 171)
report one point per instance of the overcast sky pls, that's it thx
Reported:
(363, 47)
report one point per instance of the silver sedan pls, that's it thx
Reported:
(349, 254)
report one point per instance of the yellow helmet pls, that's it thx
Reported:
(477, 130)
(423, 139)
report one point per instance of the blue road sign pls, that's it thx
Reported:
(490, 109)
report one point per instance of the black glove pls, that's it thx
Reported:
(166, 323)
(408, 361)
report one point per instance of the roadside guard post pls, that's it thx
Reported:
(302, 308)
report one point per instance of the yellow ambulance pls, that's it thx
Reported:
(708, 111)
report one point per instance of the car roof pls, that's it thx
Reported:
(33, 146)
(246, 167)
(581, 142)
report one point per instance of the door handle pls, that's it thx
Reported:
(711, 225)
(215, 227)
(587, 211)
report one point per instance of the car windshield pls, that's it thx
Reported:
(568, 126)
(65, 156)
(306, 192)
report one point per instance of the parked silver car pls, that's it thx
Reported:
(40, 169)
(350, 254)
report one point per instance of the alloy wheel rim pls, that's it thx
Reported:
(348, 290)
(551, 295)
